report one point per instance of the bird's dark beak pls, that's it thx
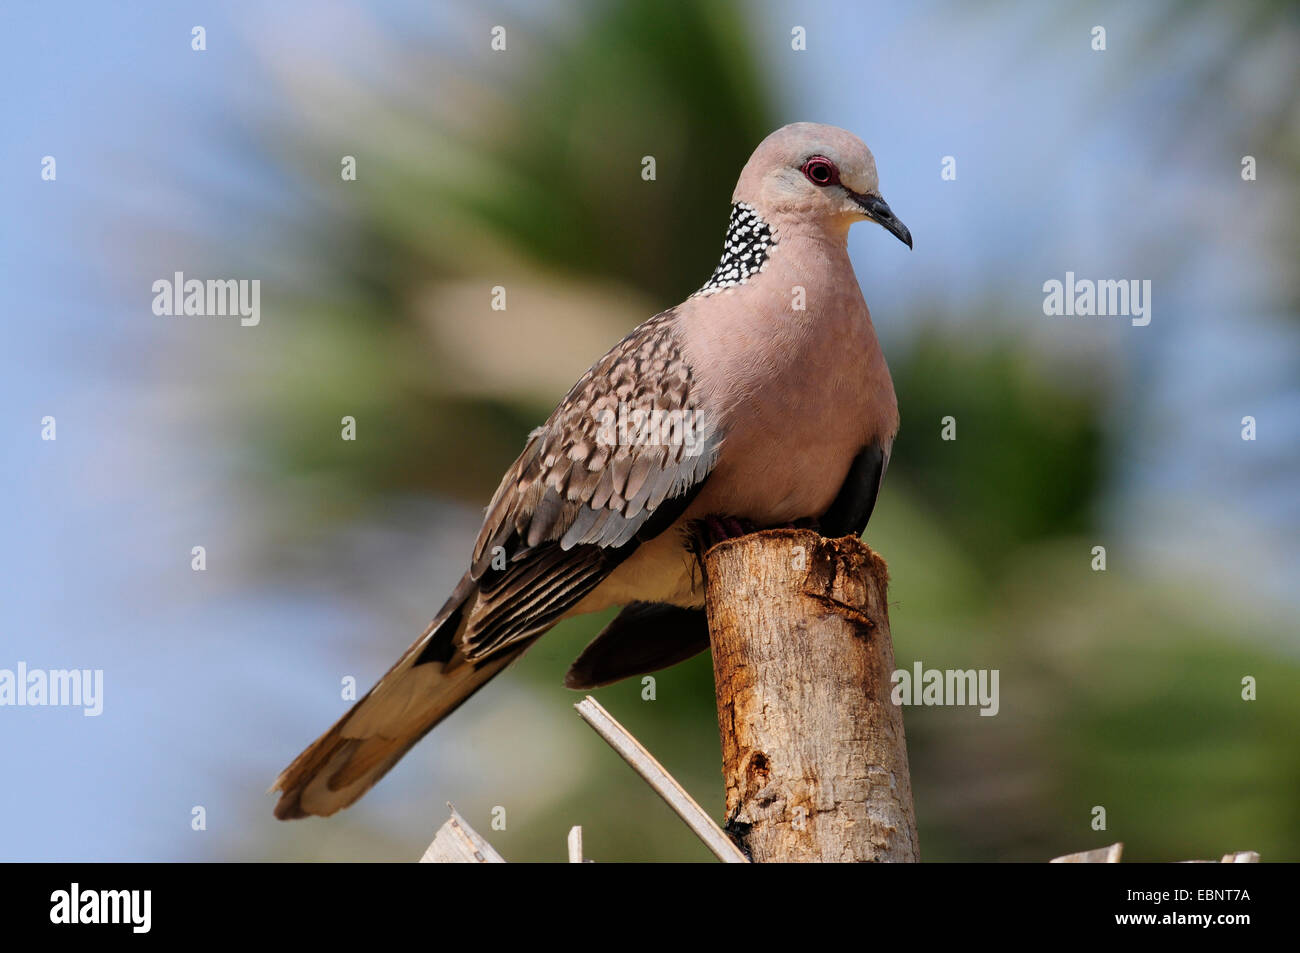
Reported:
(880, 212)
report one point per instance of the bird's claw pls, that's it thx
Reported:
(716, 529)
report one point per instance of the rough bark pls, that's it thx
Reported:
(814, 756)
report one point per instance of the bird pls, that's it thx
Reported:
(762, 400)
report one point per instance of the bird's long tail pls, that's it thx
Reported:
(429, 681)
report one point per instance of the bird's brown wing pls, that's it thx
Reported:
(576, 503)
(617, 463)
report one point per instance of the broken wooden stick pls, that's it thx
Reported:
(458, 843)
(1112, 854)
(664, 784)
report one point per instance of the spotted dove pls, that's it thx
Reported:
(762, 400)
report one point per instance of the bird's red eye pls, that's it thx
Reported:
(821, 171)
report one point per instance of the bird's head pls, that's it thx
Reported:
(814, 175)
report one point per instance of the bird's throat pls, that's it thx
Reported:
(745, 250)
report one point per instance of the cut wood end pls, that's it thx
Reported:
(785, 533)
(845, 547)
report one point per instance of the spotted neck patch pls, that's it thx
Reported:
(745, 251)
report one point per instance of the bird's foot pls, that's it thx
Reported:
(738, 527)
(716, 529)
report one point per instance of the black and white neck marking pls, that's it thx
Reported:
(745, 251)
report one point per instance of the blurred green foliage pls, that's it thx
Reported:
(1023, 437)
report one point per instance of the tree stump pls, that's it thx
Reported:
(814, 756)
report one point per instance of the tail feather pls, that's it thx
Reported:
(428, 683)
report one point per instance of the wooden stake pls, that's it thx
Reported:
(814, 757)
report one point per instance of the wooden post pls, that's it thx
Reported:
(813, 752)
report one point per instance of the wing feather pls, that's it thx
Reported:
(621, 455)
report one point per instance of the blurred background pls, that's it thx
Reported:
(522, 168)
